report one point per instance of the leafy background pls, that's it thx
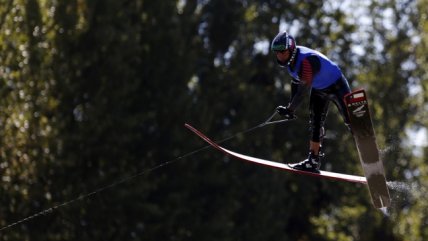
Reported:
(94, 92)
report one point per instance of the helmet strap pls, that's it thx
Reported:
(293, 56)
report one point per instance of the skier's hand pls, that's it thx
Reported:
(285, 112)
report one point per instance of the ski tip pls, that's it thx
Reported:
(188, 126)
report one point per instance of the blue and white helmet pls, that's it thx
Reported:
(283, 42)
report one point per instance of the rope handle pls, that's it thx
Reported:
(270, 122)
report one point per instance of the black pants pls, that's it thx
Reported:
(319, 103)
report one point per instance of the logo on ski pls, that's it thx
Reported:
(359, 112)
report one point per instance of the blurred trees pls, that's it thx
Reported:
(96, 91)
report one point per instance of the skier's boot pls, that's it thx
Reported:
(312, 164)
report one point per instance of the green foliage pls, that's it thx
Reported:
(96, 91)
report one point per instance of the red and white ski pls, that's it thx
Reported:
(365, 139)
(322, 174)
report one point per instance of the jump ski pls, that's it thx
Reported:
(322, 174)
(365, 139)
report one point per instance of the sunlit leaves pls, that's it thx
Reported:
(96, 90)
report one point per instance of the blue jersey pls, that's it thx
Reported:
(328, 74)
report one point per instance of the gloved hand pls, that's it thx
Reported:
(285, 112)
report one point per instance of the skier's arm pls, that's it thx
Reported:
(310, 66)
(298, 92)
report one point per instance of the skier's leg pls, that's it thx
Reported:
(318, 113)
(340, 89)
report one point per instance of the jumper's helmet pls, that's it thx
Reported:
(283, 42)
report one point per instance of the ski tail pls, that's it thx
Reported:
(365, 139)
